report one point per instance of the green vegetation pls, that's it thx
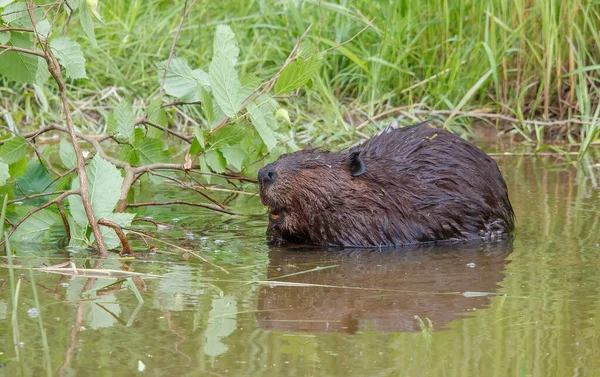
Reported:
(526, 60)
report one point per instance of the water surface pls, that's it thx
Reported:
(522, 308)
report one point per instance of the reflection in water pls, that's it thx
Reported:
(388, 290)
(198, 320)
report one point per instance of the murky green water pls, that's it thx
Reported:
(526, 308)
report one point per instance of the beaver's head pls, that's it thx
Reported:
(302, 190)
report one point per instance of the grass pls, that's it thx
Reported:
(527, 60)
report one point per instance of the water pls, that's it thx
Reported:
(522, 308)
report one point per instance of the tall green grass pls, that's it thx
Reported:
(528, 60)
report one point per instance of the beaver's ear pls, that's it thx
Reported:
(356, 165)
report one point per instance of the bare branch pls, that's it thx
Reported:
(119, 231)
(187, 139)
(16, 29)
(186, 186)
(23, 50)
(35, 196)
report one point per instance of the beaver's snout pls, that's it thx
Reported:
(267, 175)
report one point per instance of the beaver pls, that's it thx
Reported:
(413, 185)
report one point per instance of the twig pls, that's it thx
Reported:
(177, 103)
(187, 139)
(23, 50)
(16, 29)
(146, 219)
(186, 186)
(183, 202)
(35, 196)
(119, 231)
(186, 11)
(58, 199)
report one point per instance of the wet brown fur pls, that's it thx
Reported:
(412, 185)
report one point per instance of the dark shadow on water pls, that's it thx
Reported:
(387, 290)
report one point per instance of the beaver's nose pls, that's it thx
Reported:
(266, 175)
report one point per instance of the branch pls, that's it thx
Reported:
(177, 103)
(119, 231)
(203, 205)
(58, 199)
(23, 50)
(186, 11)
(16, 29)
(187, 139)
(34, 196)
(186, 186)
(55, 71)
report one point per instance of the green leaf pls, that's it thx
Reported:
(181, 82)
(108, 234)
(306, 49)
(260, 124)
(225, 44)
(4, 3)
(35, 180)
(67, 154)
(216, 161)
(43, 29)
(207, 106)
(4, 173)
(225, 84)
(18, 168)
(18, 66)
(234, 156)
(228, 135)
(70, 56)
(13, 150)
(79, 239)
(204, 167)
(200, 136)
(36, 226)
(249, 84)
(297, 74)
(42, 74)
(104, 186)
(156, 113)
(85, 17)
(195, 147)
(129, 155)
(16, 14)
(151, 151)
(4, 37)
(125, 120)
